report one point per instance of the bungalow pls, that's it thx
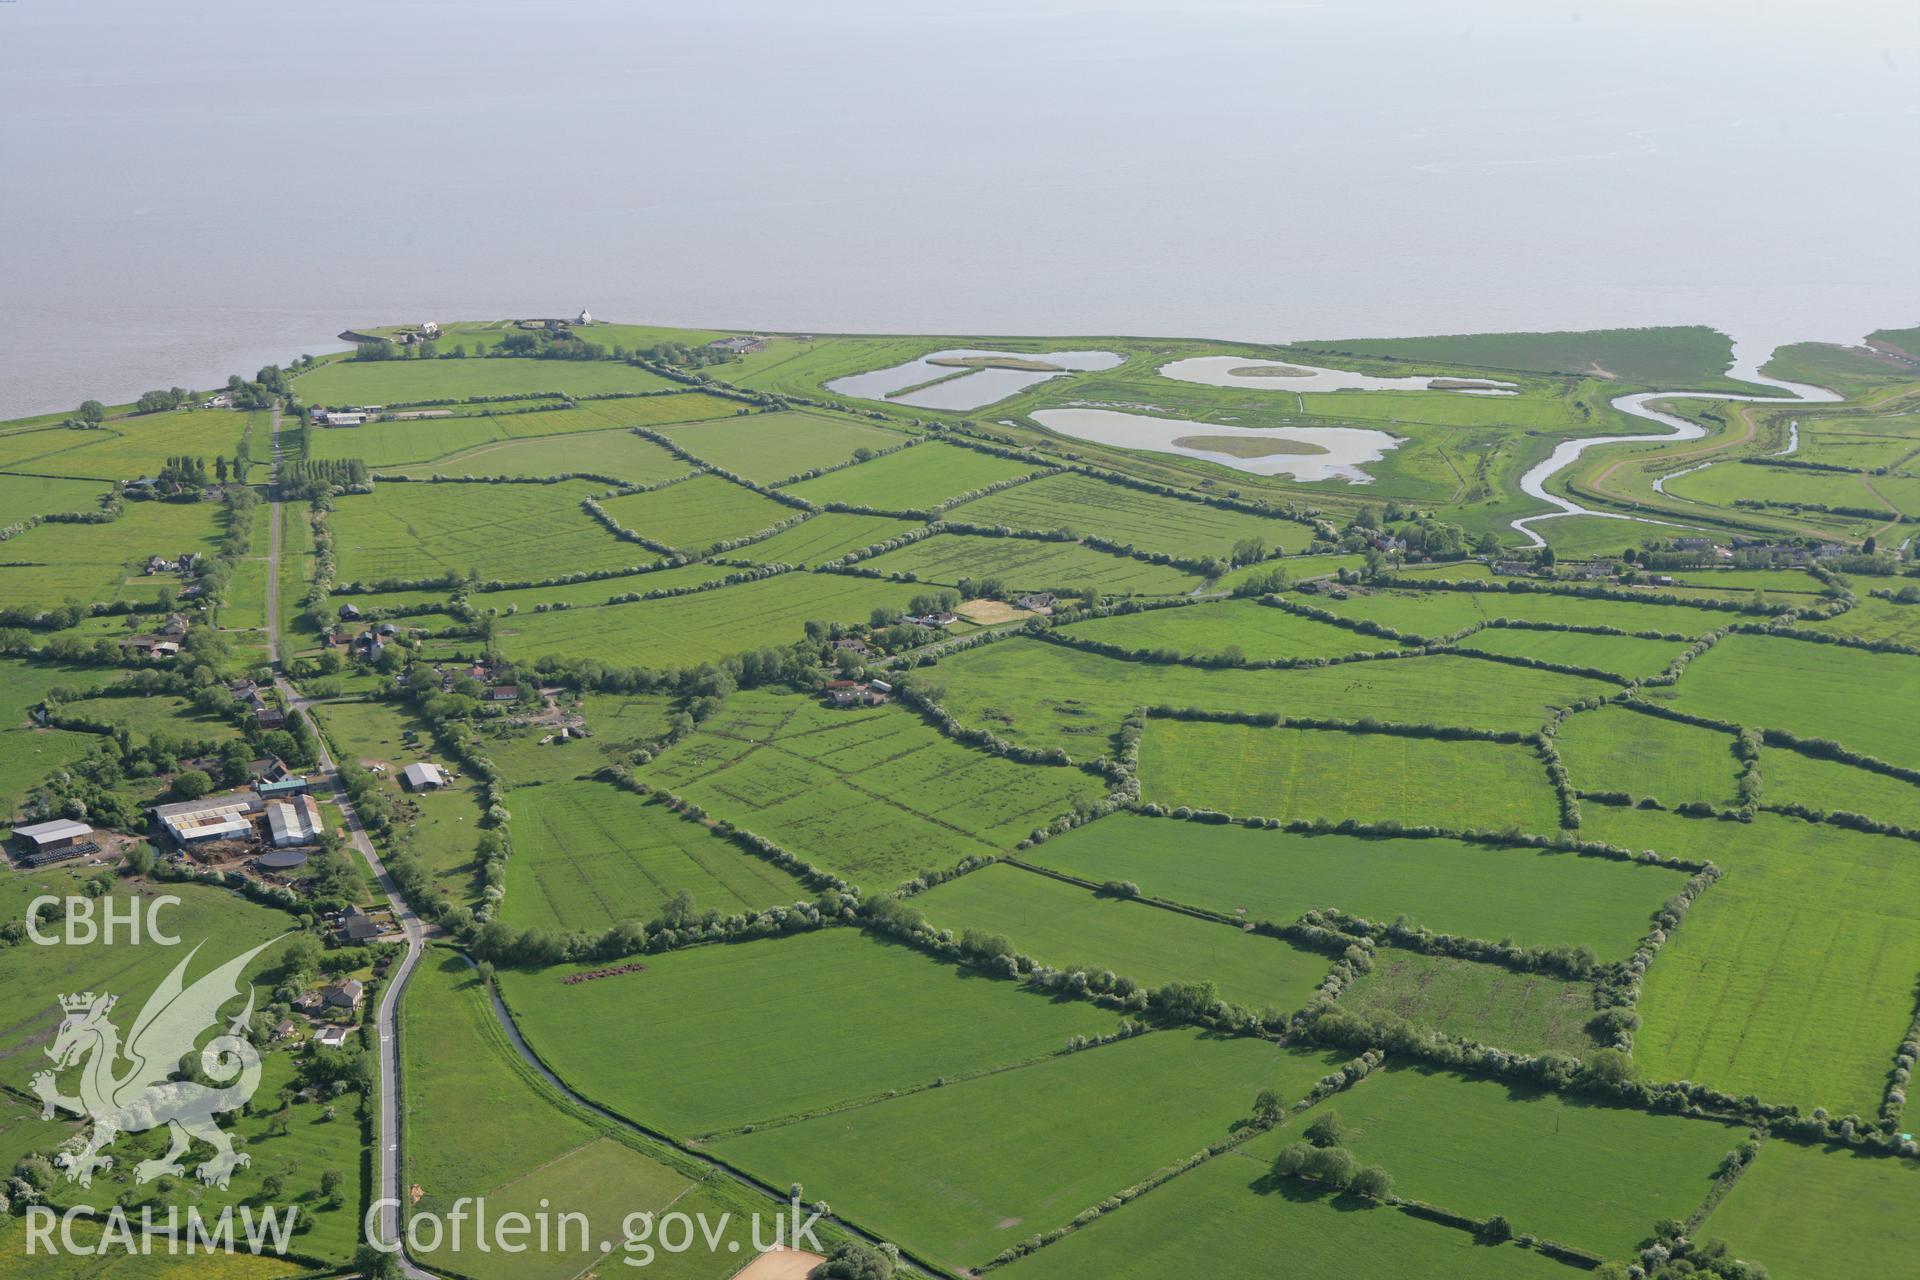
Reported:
(334, 1037)
(423, 776)
(503, 693)
(853, 643)
(1038, 602)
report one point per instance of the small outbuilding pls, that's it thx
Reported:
(424, 776)
(42, 843)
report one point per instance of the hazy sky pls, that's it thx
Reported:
(190, 188)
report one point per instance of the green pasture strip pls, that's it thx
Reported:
(387, 382)
(1615, 749)
(873, 794)
(1373, 777)
(1865, 701)
(1789, 777)
(1484, 1003)
(1087, 505)
(508, 531)
(588, 855)
(1793, 976)
(1065, 926)
(913, 479)
(1628, 656)
(1029, 564)
(1046, 695)
(752, 1014)
(698, 513)
(1819, 1214)
(1549, 1163)
(618, 453)
(1260, 632)
(1534, 897)
(826, 537)
(770, 447)
(1438, 613)
(769, 613)
(1230, 1219)
(1113, 1116)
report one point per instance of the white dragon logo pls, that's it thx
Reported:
(143, 1097)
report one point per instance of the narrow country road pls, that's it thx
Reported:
(387, 1168)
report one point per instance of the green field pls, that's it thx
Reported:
(912, 479)
(1792, 778)
(618, 453)
(1374, 777)
(1065, 926)
(770, 447)
(22, 496)
(750, 1015)
(1258, 631)
(390, 382)
(1162, 1097)
(1793, 977)
(53, 564)
(1028, 564)
(1614, 749)
(1045, 695)
(874, 795)
(128, 448)
(1535, 898)
(1668, 356)
(588, 855)
(1821, 1215)
(480, 1123)
(694, 515)
(1627, 656)
(441, 826)
(499, 531)
(826, 537)
(1484, 1003)
(1231, 1218)
(1865, 701)
(1550, 1164)
(1146, 521)
(684, 631)
(1439, 613)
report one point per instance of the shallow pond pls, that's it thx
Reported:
(960, 388)
(1271, 375)
(1336, 453)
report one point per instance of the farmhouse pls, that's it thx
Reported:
(355, 925)
(737, 346)
(856, 693)
(43, 843)
(344, 995)
(174, 627)
(1038, 602)
(423, 776)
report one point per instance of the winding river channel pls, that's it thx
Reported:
(1641, 405)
